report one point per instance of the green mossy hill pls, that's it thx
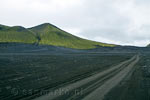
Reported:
(16, 34)
(46, 34)
(51, 35)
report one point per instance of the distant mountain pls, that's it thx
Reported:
(46, 34)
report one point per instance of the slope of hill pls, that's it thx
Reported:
(148, 45)
(51, 35)
(16, 34)
(46, 34)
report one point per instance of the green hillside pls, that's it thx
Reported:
(16, 34)
(148, 45)
(51, 35)
(46, 34)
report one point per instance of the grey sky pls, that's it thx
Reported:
(124, 22)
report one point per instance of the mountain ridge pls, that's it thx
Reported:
(46, 34)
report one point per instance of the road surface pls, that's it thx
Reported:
(94, 87)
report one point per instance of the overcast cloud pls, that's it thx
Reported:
(125, 22)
